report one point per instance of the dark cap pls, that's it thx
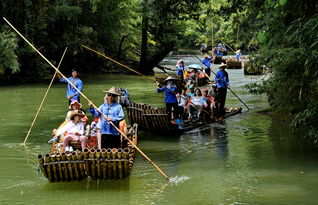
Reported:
(74, 70)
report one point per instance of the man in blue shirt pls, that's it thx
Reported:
(206, 63)
(71, 92)
(238, 54)
(107, 135)
(222, 82)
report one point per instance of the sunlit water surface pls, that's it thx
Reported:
(246, 159)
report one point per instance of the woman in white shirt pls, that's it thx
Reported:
(74, 129)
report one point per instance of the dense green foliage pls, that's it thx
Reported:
(288, 35)
(139, 32)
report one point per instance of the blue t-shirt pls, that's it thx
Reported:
(170, 94)
(222, 79)
(206, 62)
(180, 69)
(114, 112)
(70, 89)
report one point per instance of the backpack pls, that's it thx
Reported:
(124, 99)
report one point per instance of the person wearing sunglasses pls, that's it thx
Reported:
(107, 135)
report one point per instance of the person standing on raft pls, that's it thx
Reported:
(107, 135)
(71, 92)
(222, 82)
(171, 101)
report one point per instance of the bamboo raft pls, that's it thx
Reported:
(233, 63)
(110, 163)
(156, 119)
(217, 59)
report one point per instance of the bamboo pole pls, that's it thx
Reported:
(98, 164)
(63, 157)
(48, 167)
(109, 165)
(141, 152)
(93, 163)
(59, 166)
(69, 166)
(126, 162)
(80, 156)
(114, 157)
(120, 163)
(87, 164)
(104, 163)
(41, 104)
(53, 159)
(41, 162)
(228, 46)
(75, 166)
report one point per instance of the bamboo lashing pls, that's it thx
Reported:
(101, 54)
(41, 104)
(141, 152)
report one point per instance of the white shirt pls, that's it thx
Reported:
(71, 128)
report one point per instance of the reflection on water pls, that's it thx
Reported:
(213, 136)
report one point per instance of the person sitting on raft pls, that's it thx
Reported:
(74, 129)
(209, 100)
(107, 135)
(196, 105)
(182, 103)
(191, 92)
(75, 105)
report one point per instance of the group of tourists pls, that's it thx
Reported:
(188, 102)
(101, 132)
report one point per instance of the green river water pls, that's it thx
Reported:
(246, 159)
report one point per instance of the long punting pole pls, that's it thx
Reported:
(227, 87)
(41, 104)
(228, 46)
(103, 55)
(123, 134)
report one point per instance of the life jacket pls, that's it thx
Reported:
(124, 99)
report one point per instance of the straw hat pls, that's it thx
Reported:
(223, 65)
(238, 51)
(169, 78)
(113, 91)
(75, 102)
(77, 112)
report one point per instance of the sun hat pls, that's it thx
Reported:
(223, 65)
(77, 112)
(75, 102)
(238, 51)
(113, 91)
(169, 78)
